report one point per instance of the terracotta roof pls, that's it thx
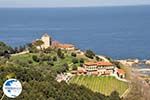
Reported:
(65, 45)
(61, 45)
(101, 63)
(104, 64)
(120, 71)
(90, 63)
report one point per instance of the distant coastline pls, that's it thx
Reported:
(105, 6)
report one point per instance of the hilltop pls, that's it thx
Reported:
(39, 67)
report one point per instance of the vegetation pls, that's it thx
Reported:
(105, 85)
(73, 54)
(89, 54)
(74, 67)
(4, 48)
(74, 60)
(39, 43)
(37, 72)
(60, 54)
(98, 59)
(42, 75)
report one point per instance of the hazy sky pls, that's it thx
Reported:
(70, 3)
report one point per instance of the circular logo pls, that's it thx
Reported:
(12, 88)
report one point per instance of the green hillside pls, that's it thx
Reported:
(103, 85)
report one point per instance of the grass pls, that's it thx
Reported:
(57, 64)
(104, 85)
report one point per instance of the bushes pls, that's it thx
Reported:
(74, 60)
(3, 48)
(89, 54)
(73, 54)
(33, 49)
(63, 68)
(74, 67)
(35, 58)
(82, 60)
(50, 63)
(48, 50)
(60, 54)
(43, 76)
(54, 58)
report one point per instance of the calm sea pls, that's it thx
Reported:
(119, 32)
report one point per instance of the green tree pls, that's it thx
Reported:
(114, 96)
(6, 55)
(74, 60)
(98, 58)
(39, 43)
(35, 58)
(33, 49)
(3, 48)
(89, 54)
(73, 54)
(74, 67)
(48, 50)
(82, 60)
(54, 58)
(60, 54)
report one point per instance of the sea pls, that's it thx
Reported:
(117, 32)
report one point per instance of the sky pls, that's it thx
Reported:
(70, 3)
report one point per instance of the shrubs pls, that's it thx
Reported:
(98, 59)
(89, 54)
(3, 48)
(60, 54)
(38, 43)
(73, 54)
(39, 84)
(48, 50)
(63, 68)
(35, 58)
(54, 58)
(30, 61)
(82, 60)
(74, 67)
(33, 49)
(50, 63)
(74, 60)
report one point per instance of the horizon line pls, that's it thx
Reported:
(107, 6)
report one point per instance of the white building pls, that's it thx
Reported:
(99, 68)
(47, 40)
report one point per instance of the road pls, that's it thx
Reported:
(24, 52)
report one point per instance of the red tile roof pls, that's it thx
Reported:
(60, 45)
(65, 45)
(101, 63)
(120, 71)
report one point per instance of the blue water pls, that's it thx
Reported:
(118, 32)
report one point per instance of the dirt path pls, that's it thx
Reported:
(24, 52)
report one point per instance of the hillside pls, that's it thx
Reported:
(37, 72)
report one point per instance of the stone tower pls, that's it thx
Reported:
(47, 40)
